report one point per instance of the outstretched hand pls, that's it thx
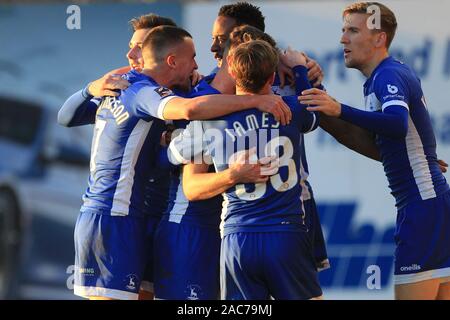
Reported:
(319, 100)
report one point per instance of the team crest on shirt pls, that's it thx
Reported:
(163, 92)
(131, 281)
(392, 89)
(193, 292)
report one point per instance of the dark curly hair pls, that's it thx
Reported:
(244, 13)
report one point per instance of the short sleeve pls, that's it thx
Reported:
(391, 89)
(152, 100)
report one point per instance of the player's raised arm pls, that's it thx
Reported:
(351, 136)
(392, 122)
(80, 108)
(296, 60)
(213, 106)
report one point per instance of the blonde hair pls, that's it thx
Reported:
(388, 20)
(252, 64)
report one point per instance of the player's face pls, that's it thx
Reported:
(358, 41)
(185, 65)
(220, 34)
(134, 55)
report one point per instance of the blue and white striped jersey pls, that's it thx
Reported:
(180, 209)
(410, 163)
(124, 148)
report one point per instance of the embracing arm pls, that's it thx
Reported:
(81, 108)
(199, 184)
(213, 106)
(351, 136)
(78, 110)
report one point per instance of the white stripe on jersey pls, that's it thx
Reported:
(394, 103)
(99, 127)
(174, 155)
(418, 162)
(224, 213)
(162, 105)
(122, 195)
(180, 204)
(371, 103)
(313, 124)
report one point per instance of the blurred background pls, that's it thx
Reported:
(44, 167)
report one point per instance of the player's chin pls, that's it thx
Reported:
(349, 63)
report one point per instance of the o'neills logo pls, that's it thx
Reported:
(414, 267)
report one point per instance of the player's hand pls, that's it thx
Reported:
(196, 78)
(319, 100)
(315, 72)
(275, 105)
(245, 167)
(292, 58)
(106, 85)
(443, 165)
(166, 136)
(269, 165)
(285, 74)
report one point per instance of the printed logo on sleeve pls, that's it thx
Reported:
(392, 89)
(163, 92)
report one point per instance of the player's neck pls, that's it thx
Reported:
(368, 68)
(159, 75)
(263, 91)
(223, 82)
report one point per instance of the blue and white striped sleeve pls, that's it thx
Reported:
(152, 100)
(79, 109)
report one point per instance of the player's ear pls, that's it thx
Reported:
(171, 61)
(272, 79)
(381, 40)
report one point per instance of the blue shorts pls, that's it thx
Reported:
(111, 255)
(187, 262)
(260, 265)
(315, 231)
(148, 277)
(423, 241)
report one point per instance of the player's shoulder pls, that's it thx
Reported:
(149, 91)
(395, 69)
